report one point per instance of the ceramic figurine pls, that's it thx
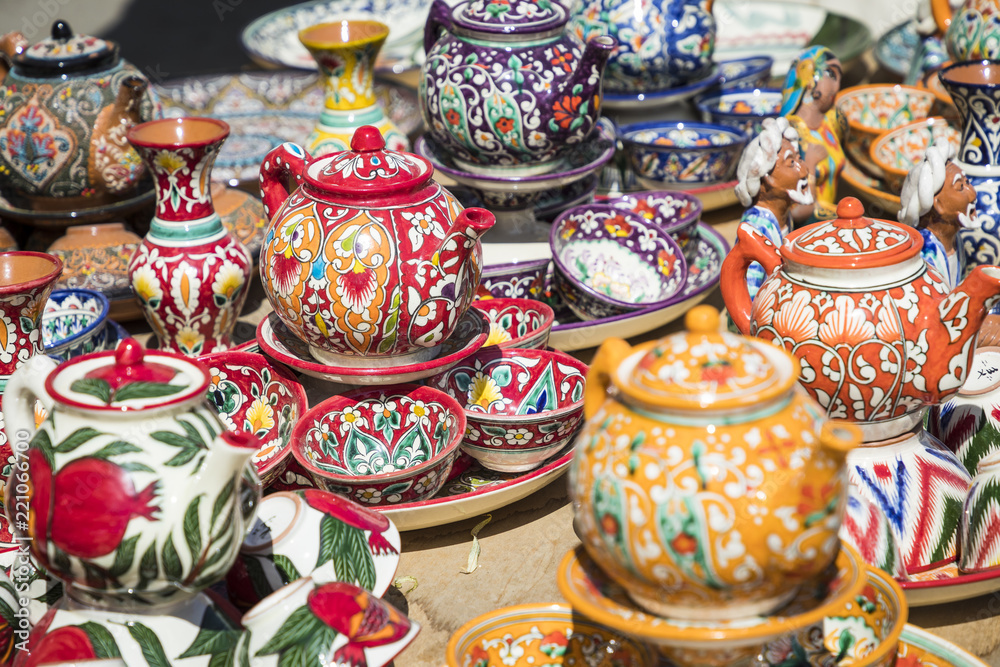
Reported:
(345, 52)
(139, 495)
(369, 257)
(938, 200)
(772, 179)
(704, 483)
(67, 103)
(506, 90)
(807, 101)
(658, 45)
(879, 336)
(190, 274)
(980, 524)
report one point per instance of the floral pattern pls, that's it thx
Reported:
(871, 110)
(521, 323)
(972, 32)
(667, 154)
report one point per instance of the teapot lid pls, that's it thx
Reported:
(852, 241)
(368, 169)
(510, 16)
(708, 369)
(128, 378)
(65, 52)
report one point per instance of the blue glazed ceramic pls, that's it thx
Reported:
(743, 109)
(609, 262)
(754, 72)
(682, 154)
(73, 323)
(659, 44)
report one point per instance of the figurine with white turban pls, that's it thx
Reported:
(938, 200)
(772, 178)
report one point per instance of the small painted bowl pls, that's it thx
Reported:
(676, 213)
(542, 634)
(753, 72)
(259, 396)
(679, 154)
(520, 323)
(871, 110)
(383, 445)
(744, 110)
(609, 262)
(521, 406)
(74, 323)
(897, 151)
(520, 280)
(318, 534)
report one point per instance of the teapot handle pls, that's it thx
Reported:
(284, 161)
(751, 246)
(26, 385)
(942, 12)
(612, 352)
(438, 19)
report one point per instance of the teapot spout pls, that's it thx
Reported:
(838, 438)
(473, 222)
(586, 80)
(962, 313)
(238, 447)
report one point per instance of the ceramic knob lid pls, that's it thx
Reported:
(707, 368)
(128, 378)
(510, 16)
(64, 52)
(852, 241)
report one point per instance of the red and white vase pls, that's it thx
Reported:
(190, 274)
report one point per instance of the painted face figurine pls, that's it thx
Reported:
(938, 200)
(772, 179)
(807, 98)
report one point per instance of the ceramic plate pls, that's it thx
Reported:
(918, 648)
(703, 275)
(649, 101)
(782, 30)
(950, 588)
(278, 343)
(62, 219)
(265, 109)
(272, 40)
(475, 491)
(896, 49)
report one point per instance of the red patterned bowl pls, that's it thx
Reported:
(522, 323)
(383, 445)
(258, 396)
(522, 406)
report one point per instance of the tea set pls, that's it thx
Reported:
(735, 496)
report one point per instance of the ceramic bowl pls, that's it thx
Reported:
(752, 72)
(381, 446)
(897, 151)
(520, 323)
(676, 213)
(542, 634)
(74, 323)
(521, 406)
(871, 110)
(679, 154)
(318, 534)
(516, 280)
(258, 396)
(609, 262)
(873, 193)
(742, 109)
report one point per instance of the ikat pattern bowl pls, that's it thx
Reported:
(609, 262)
(898, 150)
(74, 323)
(674, 154)
(676, 213)
(383, 445)
(743, 109)
(521, 406)
(517, 323)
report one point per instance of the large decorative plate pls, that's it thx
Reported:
(782, 30)
(265, 109)
(943, 585)
(272, 40)
(919, 648)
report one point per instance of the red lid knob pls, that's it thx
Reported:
(367, 139)
(130, 366)
(129, 352)
(850, 213)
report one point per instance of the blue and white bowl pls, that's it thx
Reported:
(744, 110)
(753, 72)
(682, 154)
(74, 323)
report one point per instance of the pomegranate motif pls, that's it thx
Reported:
(365, 619)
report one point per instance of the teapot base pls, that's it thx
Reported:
(714, 612)
(887, 429)
(381, 361)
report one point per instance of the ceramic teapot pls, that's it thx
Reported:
(132, 490)
(659, 44)
(704, 482)
(369, 257)
(65, 106)
(507, 90)
(879, 335)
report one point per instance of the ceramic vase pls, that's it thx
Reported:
(972, 31)
(190, 274)
(345, 52)
(975, 89)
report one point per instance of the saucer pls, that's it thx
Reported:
(62, 219)
(280, 344)
(662, 98)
